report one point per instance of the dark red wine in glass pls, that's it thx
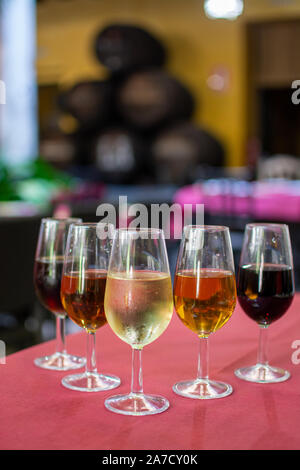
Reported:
(47, 275)
(47, 280)
(265, 288)
(266, 293)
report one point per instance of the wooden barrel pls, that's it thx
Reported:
(59, 150)
(121, 156)
(150, 98)
(180, 149)
(90, 102)
(123, 47)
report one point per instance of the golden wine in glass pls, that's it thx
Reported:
(204, 298)
(82, 293)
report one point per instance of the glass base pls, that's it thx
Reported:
(262, 373)
(137, 404)
(90, 382)
(202, 389)
(60, 361)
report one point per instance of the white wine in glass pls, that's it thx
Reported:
(138, 305)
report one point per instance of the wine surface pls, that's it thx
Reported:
(47, 282)
(204, 301)
(139, 308)
(265, 294)
(83, 298)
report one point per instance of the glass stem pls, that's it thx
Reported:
(262, 346)
(136, 372)
(203, 359)
(60, 334)
(91, 365)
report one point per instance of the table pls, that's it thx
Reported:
(37, 412)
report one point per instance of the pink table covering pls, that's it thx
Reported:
(37, 412)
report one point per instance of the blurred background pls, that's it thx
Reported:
(185, 101)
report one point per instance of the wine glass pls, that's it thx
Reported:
(47, 279)
(139, 306)
(265, 290)
(204, 298)
(82, 294)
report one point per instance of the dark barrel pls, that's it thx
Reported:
(179, 149)
(150, 98)
(90, 102)
(59, 150)
(120, 156)
(123, 47)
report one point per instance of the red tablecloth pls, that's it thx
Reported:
(37, 412)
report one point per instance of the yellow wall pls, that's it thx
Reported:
(196, 45)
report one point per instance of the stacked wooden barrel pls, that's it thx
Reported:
(136, 125)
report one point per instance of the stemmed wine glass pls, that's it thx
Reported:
(82, 294)
(47, 279)
(138, 306)
(265, 290)
(204, 298)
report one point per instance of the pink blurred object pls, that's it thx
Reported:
(277, 200)
(241, 199)
(62, 211)
(82, 192)
(242, 205)
(192, 194)
(214, 203)
(277, 206)
(215, 197)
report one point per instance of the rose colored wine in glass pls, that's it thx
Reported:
(47, 281)
(82, 293)
(265, 290)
